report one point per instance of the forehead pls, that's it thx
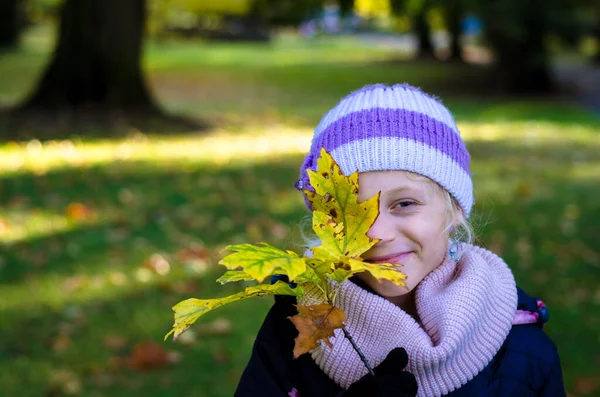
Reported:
(372, 182)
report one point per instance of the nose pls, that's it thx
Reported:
(382, 229)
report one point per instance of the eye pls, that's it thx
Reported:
(404, 204)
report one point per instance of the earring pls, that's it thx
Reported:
(453, 251)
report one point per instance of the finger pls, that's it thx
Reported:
(395, 361)
(408, 384)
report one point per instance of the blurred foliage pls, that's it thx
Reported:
(373, 8)
(39, 11)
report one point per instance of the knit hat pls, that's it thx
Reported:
(399, 127)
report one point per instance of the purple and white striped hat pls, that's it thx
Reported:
(396, 127)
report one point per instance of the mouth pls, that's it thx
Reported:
(396, 258)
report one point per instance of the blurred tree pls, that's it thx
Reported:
(597, 33)
(346, 6)
(286, 12)
(373, 8)
(423, 31)
(517, 31)
(453, 13)
(96, 63)
(9, 23)
(228, 7)
(417, 11)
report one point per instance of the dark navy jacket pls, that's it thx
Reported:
(527, 364)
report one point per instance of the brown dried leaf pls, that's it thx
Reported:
(79, 212)
(315, 323)
(586, 385)
(147, 356)
(115, 343)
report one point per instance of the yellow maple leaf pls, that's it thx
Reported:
(261, 261)
(341, 223)
(189, 310)
(339, 220)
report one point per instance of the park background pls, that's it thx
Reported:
(140, 137)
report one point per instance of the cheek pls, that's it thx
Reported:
(432, 241)
(429, 236)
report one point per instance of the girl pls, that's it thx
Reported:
(467, 329)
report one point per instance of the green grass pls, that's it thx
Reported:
(87, 225)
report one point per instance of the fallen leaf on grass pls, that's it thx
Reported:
(148, 356)
(315, 323)
(195, 258)
(79, 212)
(185, 287)
(63, 382)
(158, 264)
(73, 283)
(220, 326)
(220, 356)
(61, 343)
(115, 342)
(586, 385)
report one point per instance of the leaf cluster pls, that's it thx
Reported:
(341, 223)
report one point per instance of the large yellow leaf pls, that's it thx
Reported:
(339, 220)
(189, 310)
(260, 261)
(332, 237)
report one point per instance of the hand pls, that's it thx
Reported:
(389, 381)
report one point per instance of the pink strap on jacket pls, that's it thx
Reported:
(527, 317)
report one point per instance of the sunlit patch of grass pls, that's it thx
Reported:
(252, 144)
(19, 223)
(105, 281)
(529, 133)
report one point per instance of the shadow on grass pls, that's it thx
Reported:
(159, 206)
(44, 125)
(98, 338)
(305, 92)
(301, 92)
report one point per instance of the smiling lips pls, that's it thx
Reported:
(396, 258)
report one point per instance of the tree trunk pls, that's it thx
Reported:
(453, 18)
(522, 60)
(9, 23)
(597, 56)
(423, 32)
(346, 6)
(96, 65)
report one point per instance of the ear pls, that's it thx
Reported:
(460, 217)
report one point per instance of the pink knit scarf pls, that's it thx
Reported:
(466, 310)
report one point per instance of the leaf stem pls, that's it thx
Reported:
(357, 349)
(323, 279)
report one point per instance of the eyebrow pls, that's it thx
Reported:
(402, 189)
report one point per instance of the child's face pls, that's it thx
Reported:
(411, 227)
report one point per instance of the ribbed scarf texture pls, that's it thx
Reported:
(466, 311)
